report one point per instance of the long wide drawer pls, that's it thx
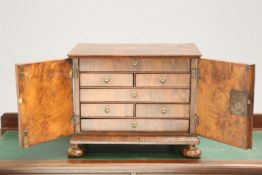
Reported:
(135, 95)
(154, 64)
(162, 110)
(90, 79)
(162, 80)
(106, 110)
(150, 125)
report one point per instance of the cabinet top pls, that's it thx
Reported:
(185, 49)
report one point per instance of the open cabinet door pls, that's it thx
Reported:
(45, 101)
(225, 102)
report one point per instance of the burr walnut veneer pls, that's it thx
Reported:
(135, 94)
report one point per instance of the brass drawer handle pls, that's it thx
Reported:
(162, 80)
(106, 79)
(135, 63)
(107, 109)
(163, 110)
(134, 124)
(134, 94)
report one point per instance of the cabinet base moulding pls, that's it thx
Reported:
(134, 139)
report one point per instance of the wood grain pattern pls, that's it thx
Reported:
(90, 79)
(213, 105)
(99, 110)
(144, 64)
(150, 125)
(154, 110)
(170, 80)
(143, 95)
(47, 103)
(83, 49)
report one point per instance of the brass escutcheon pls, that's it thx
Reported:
(134, 124)
(106, 79)
(162, 79)
(163, 110)
(107, 109)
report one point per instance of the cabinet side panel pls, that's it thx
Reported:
(45, 101)
(225, 102)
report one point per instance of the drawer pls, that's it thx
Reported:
(170, 80)
(162, 110)
(135, 95)
(90, 79)
(150, 125)
(154, 64)
(106, 110)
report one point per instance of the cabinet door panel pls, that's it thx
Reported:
(45, 101)
(225, 102)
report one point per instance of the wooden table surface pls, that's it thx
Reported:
(101, 160)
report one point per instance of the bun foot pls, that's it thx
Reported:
(75, 151)
(191, 152)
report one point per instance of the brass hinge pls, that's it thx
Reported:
(196, 120)
(75, 119)
(195, 73)
(26, 138)
(21, 72)
(20, 100)
(73, 73)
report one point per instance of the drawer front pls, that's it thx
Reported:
(162, 110)
(106, 110)
(150, 125)
(89, 79)
(169, 80)
(135, 64)
(135, 95)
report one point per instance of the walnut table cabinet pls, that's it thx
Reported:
(135, 94)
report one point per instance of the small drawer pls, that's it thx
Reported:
(136, 64)
(162, 111)
(90, 79)
(135, 95)
(106, 110)
(147, 125)
(169, 80)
